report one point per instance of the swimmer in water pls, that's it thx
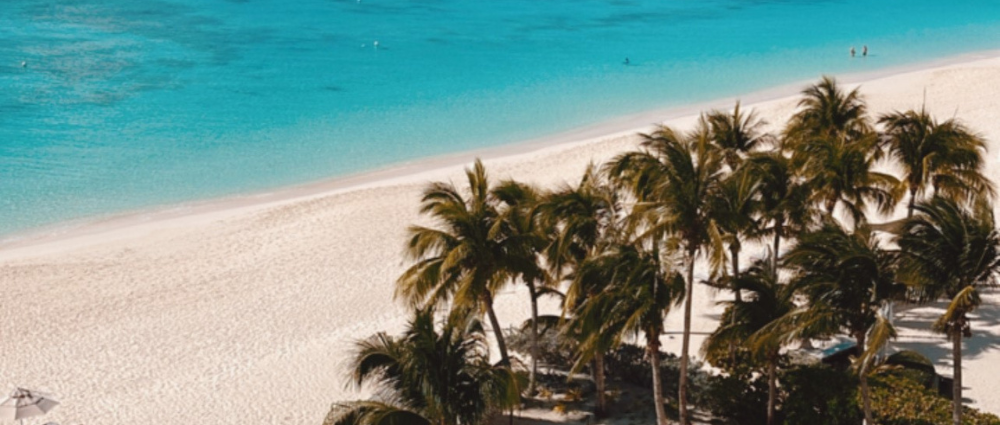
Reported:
(864, 50)
(626, 61)
(24, 64)
(852, 51)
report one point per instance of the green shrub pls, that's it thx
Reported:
(820, 395)
(915, 366)
(629, 364)
(898, 399)
(737, 399)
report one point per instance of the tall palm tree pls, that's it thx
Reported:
(784, 202)
(753, 323)
(672, 178)
(464, 260)
(526, 240)
(736, 133)
(951, 252)
(427, 376)
(835, 147)
(847, 278)
(641, 290)
(582, 220)
(734, 207)
(944, 155)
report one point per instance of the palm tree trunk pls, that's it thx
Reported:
(735, 250)
(772, 388)
(913, 200)
(653, 348)
(956, 391)
(866, 402)
(534, 337)
(495, 324)
(779, 227)
(866, 398)
(599, 382)
(686, 342)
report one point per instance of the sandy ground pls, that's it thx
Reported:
(243, 311)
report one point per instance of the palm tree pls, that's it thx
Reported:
(835, 147)
(641, 290)
(427, 376)
(581, 219)
(826, 112)
(944, 155)
(784, 200)
(951, 252)
(847, 278)
(464, 260)
(753, 323)
(672, 178)
(734, 206)
(736, 133)
(526, 239)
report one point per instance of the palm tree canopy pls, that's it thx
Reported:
(847, 278)
(736, 133)
(783, 198)
(427, 375)
(640, 289)
(581, 217)
(751, 323)
(944, 155)
(947, 248)
(672, 179)
(827, 112)
(461, 258)
(735, 203)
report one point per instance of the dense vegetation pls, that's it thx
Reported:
(620, 246)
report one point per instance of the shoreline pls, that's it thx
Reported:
(218, 306)
(410, 170)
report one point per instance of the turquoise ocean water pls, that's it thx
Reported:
(130, 104)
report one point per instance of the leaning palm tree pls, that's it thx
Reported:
(525, 241)
(672, 178)
(641, 290)
(427, 376)
(951, 252)
(581, 219)
(946, 156)
(465, 259)
(736, 133)
(846, 278)
(754, 324)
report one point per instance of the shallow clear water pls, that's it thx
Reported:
(126, 104)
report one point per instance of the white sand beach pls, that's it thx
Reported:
(243, 311)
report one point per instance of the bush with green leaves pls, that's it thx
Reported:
(628, 363)
(899, 399)
(737, 399)
(820, 395)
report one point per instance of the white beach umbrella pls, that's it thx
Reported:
(25, 404)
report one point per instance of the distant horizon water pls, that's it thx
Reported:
(115, 105)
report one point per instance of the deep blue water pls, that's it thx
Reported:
(127, 104)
